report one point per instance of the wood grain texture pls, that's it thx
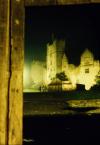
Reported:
(16, 69)
(4, 69)
(58, 2)
(63, 2)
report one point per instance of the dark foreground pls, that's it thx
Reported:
(62, 130)
(57, 103)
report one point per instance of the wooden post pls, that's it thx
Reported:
(16, 69)
(4, 69)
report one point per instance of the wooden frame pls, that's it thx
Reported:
(11, 65)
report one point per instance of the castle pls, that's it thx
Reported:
(45, 73)
(57, 62)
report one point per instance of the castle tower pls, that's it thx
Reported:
(55, 53)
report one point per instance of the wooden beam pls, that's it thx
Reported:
(64, 2)
(4, 70)
(16, 69)
(39, 2)
(57, 2)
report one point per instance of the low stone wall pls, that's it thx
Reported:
(84, 103)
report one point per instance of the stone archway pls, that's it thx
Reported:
(11, 65)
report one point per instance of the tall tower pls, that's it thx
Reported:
(55, 52)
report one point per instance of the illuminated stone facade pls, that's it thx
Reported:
(57, 62)
(55, 52)
(89, 68)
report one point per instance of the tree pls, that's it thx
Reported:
(98, 80)
(61, 76)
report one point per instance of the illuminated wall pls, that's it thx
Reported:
(55, 52)
(65, 64)
(44, 73)
(84, 74)
(89, 68)
(51, 61)
(73, 72)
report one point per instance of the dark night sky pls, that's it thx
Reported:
(78, 25)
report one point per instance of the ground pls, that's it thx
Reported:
(75, 102)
